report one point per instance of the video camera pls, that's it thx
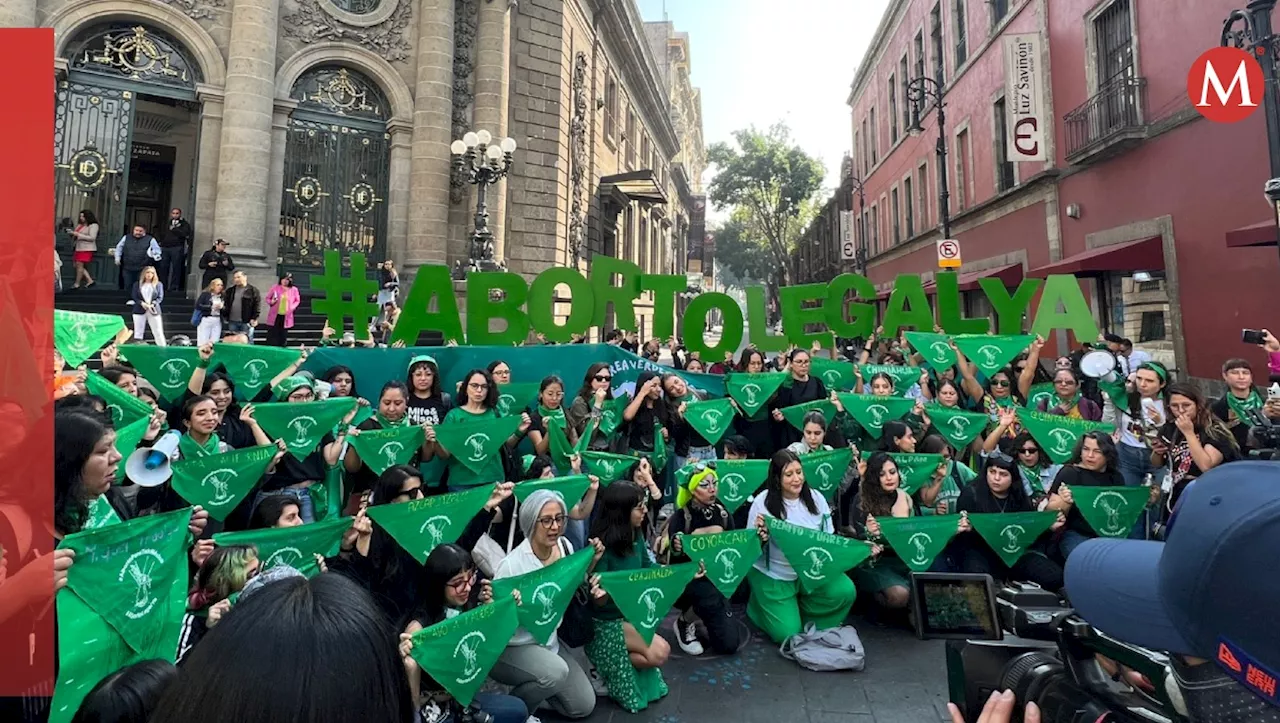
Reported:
(1026, 639)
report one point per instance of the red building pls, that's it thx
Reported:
(1139, 197)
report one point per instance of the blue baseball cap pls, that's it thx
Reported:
(1210, 587)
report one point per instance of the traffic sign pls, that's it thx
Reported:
(948, 254)
(847, 251)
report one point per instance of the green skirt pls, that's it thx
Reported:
(632, 689)
(881, 574)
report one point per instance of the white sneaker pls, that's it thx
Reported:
(597, 683)
(687, 636)
(533, 719)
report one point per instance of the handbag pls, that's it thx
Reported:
(577, 627)
(196, 316)
(488, 554)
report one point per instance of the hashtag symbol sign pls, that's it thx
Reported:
(345, 296)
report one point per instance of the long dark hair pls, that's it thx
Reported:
(491, 394)
(1206, 422)
(1105, 445)
(385, 554)
(1011, 446)
(267, 514)
(1134, 400)
(220, 376)
(585, 392)
(612, 525)
(773, 486)
(89, 216)
(874, 499)
(442, 564)
(890, 433)
(75, 435)
(301, 631)
(1016, 501)
(332, 373)
(435, 377)
(129, 695)
(744, 358)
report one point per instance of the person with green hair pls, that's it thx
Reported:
(223, 573)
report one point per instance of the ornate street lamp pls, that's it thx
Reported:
(484, 163)
(860, 256)
(1250, 30)
(920, 91)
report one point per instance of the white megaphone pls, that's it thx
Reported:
(150, 467)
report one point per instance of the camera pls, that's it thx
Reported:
(1023, 638)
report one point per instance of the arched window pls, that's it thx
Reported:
(133, 52)
(336, 167)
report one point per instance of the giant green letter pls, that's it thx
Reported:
(622, 297)
(795, 317)
(431, 283)
(950, 315)
(481, 308)
(1075, 314)
(863, 320)
(758, 318)
(664, 288)
(917, 315)
(1009, 310)
(542, 304)
(695, 321)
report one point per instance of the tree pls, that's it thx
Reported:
(742, 251)
(771, 181)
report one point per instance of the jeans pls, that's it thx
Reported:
(306, 508)
(1135, 464)
(241, 327)
(539, 676)
(130, 278)
(503, 708)
(1070, 541)
(172, 267)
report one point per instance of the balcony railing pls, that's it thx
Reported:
(1113, 119)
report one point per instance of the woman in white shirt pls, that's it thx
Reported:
(148, 292)
(779, 606)
(537, 673)
(1139, 418)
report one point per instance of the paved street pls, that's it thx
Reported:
(904, 682)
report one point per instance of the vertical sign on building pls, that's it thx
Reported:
(1024, 88)
(699, 254)
(847, 252)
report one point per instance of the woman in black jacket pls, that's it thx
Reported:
(999, 490)
(216, 263)
(800, 388)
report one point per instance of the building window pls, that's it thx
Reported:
(857, 152)
(875, 131)
(1152, 326)
(903, 73)
(644, 149)
(610, 109)
(935, 37)
(999, 9)
(1114, 35)
(922, 186)
(875, 230)
(893, 110)
(963, 151)
(866, 148)
(1004, 166)
(919, 46)
(909, 197)
(962, 33)
(896, 210)
(631, 139)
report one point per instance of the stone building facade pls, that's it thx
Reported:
(290, 127)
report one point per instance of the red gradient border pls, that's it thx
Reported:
(26, 328)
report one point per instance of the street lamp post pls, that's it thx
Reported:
(484, 163)
(1250, 29)
(919, 91)
(860, 257)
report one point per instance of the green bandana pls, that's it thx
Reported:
(101, 514)
(1111, 511)
(934, 348)
(1041, 392)
(545, 594)
(167, 368)
(835, 375)
(476, 442)
(327, 498)
(959, 427)
(572, 488)
(795, 414)
(816, 556)
(644, 596)
(548, 414)
(753, 391)
(824, 469)
(1057, 435)
(737, 479)
(915, 470)
(219, 482)
(873, 411)
(366, 411)
(711, 419)
(903, 377)
(611, 414)
(189, 448)
(124, 407)
(727, 556)
(658, 459)
(123, 603)
(561, 450)
(918, 540)
(294, 547)
(992, 353)
(127, 440)
(1243, 407)
(1003, 402)
(1055, 402)
(384, 448)
(1032, 476)
(287, 386)
(77, 335)
(459, 652)
(421, 525)
(1009, 534)
(383, 421)
(302, 424)
(252, 366)
(513, 399)
(609, 467)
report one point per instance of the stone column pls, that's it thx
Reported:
(398, 193)
(244, 167)
(281, 110)
(493, 64)
(18, 14)
(211, 108)
(432, 125)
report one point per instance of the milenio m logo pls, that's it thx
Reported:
(1226, 85)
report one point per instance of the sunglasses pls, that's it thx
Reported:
(415, 493)
(603, 378)
(1000, 382)
(1028, 450)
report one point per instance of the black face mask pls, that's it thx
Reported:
(1211, 696)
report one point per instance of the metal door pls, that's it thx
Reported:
(92, 136)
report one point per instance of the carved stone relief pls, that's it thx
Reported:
(466, 22)
(578, 154)
(313, 23)
(198, 9)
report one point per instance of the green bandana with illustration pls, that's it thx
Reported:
(252, 366)
(513, 399)
(611, 415)
(545, 594)
(571, 487)
(1009, 534)
(795, 414)
(475, 442)
(382, 449)
(991, 353)
(608, 466)
(294, 547)
(167, 368)
(836, 375)
(904, 377)
(711, 418)
(816, 556)
(934, 348)
(726, 556)
(302, 424)
(1057, 435)
(459, 652)
(124, 407)
(872, 411)
(1042, 392)
(919, 540)
(1111, 511)
(915, 469)
(644, 596)
(77, 335)
(101, 514)
(825, 469)
(219, 482)
(127, 440)
(956, 425)
(736, 479)
(421, 525)
(753, 391)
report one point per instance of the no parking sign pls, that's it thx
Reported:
(948, 254)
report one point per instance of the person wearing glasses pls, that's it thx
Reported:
(543, 674)
(1067, 400)
(481, 396)
(1034, 466)
(549, 406)
(800, 388)
(999, 392)
(588, 407)
(393, 405)
(451, 584)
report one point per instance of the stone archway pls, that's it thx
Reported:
(369, 63)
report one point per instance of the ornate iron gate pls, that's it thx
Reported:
(92, 136)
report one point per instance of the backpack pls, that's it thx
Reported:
(826, 650)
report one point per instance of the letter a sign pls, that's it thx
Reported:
(1226, 84)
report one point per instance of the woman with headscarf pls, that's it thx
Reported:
(543, 674)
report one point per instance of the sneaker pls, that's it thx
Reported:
(687, 637)
(597, 683)
(533, 719)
